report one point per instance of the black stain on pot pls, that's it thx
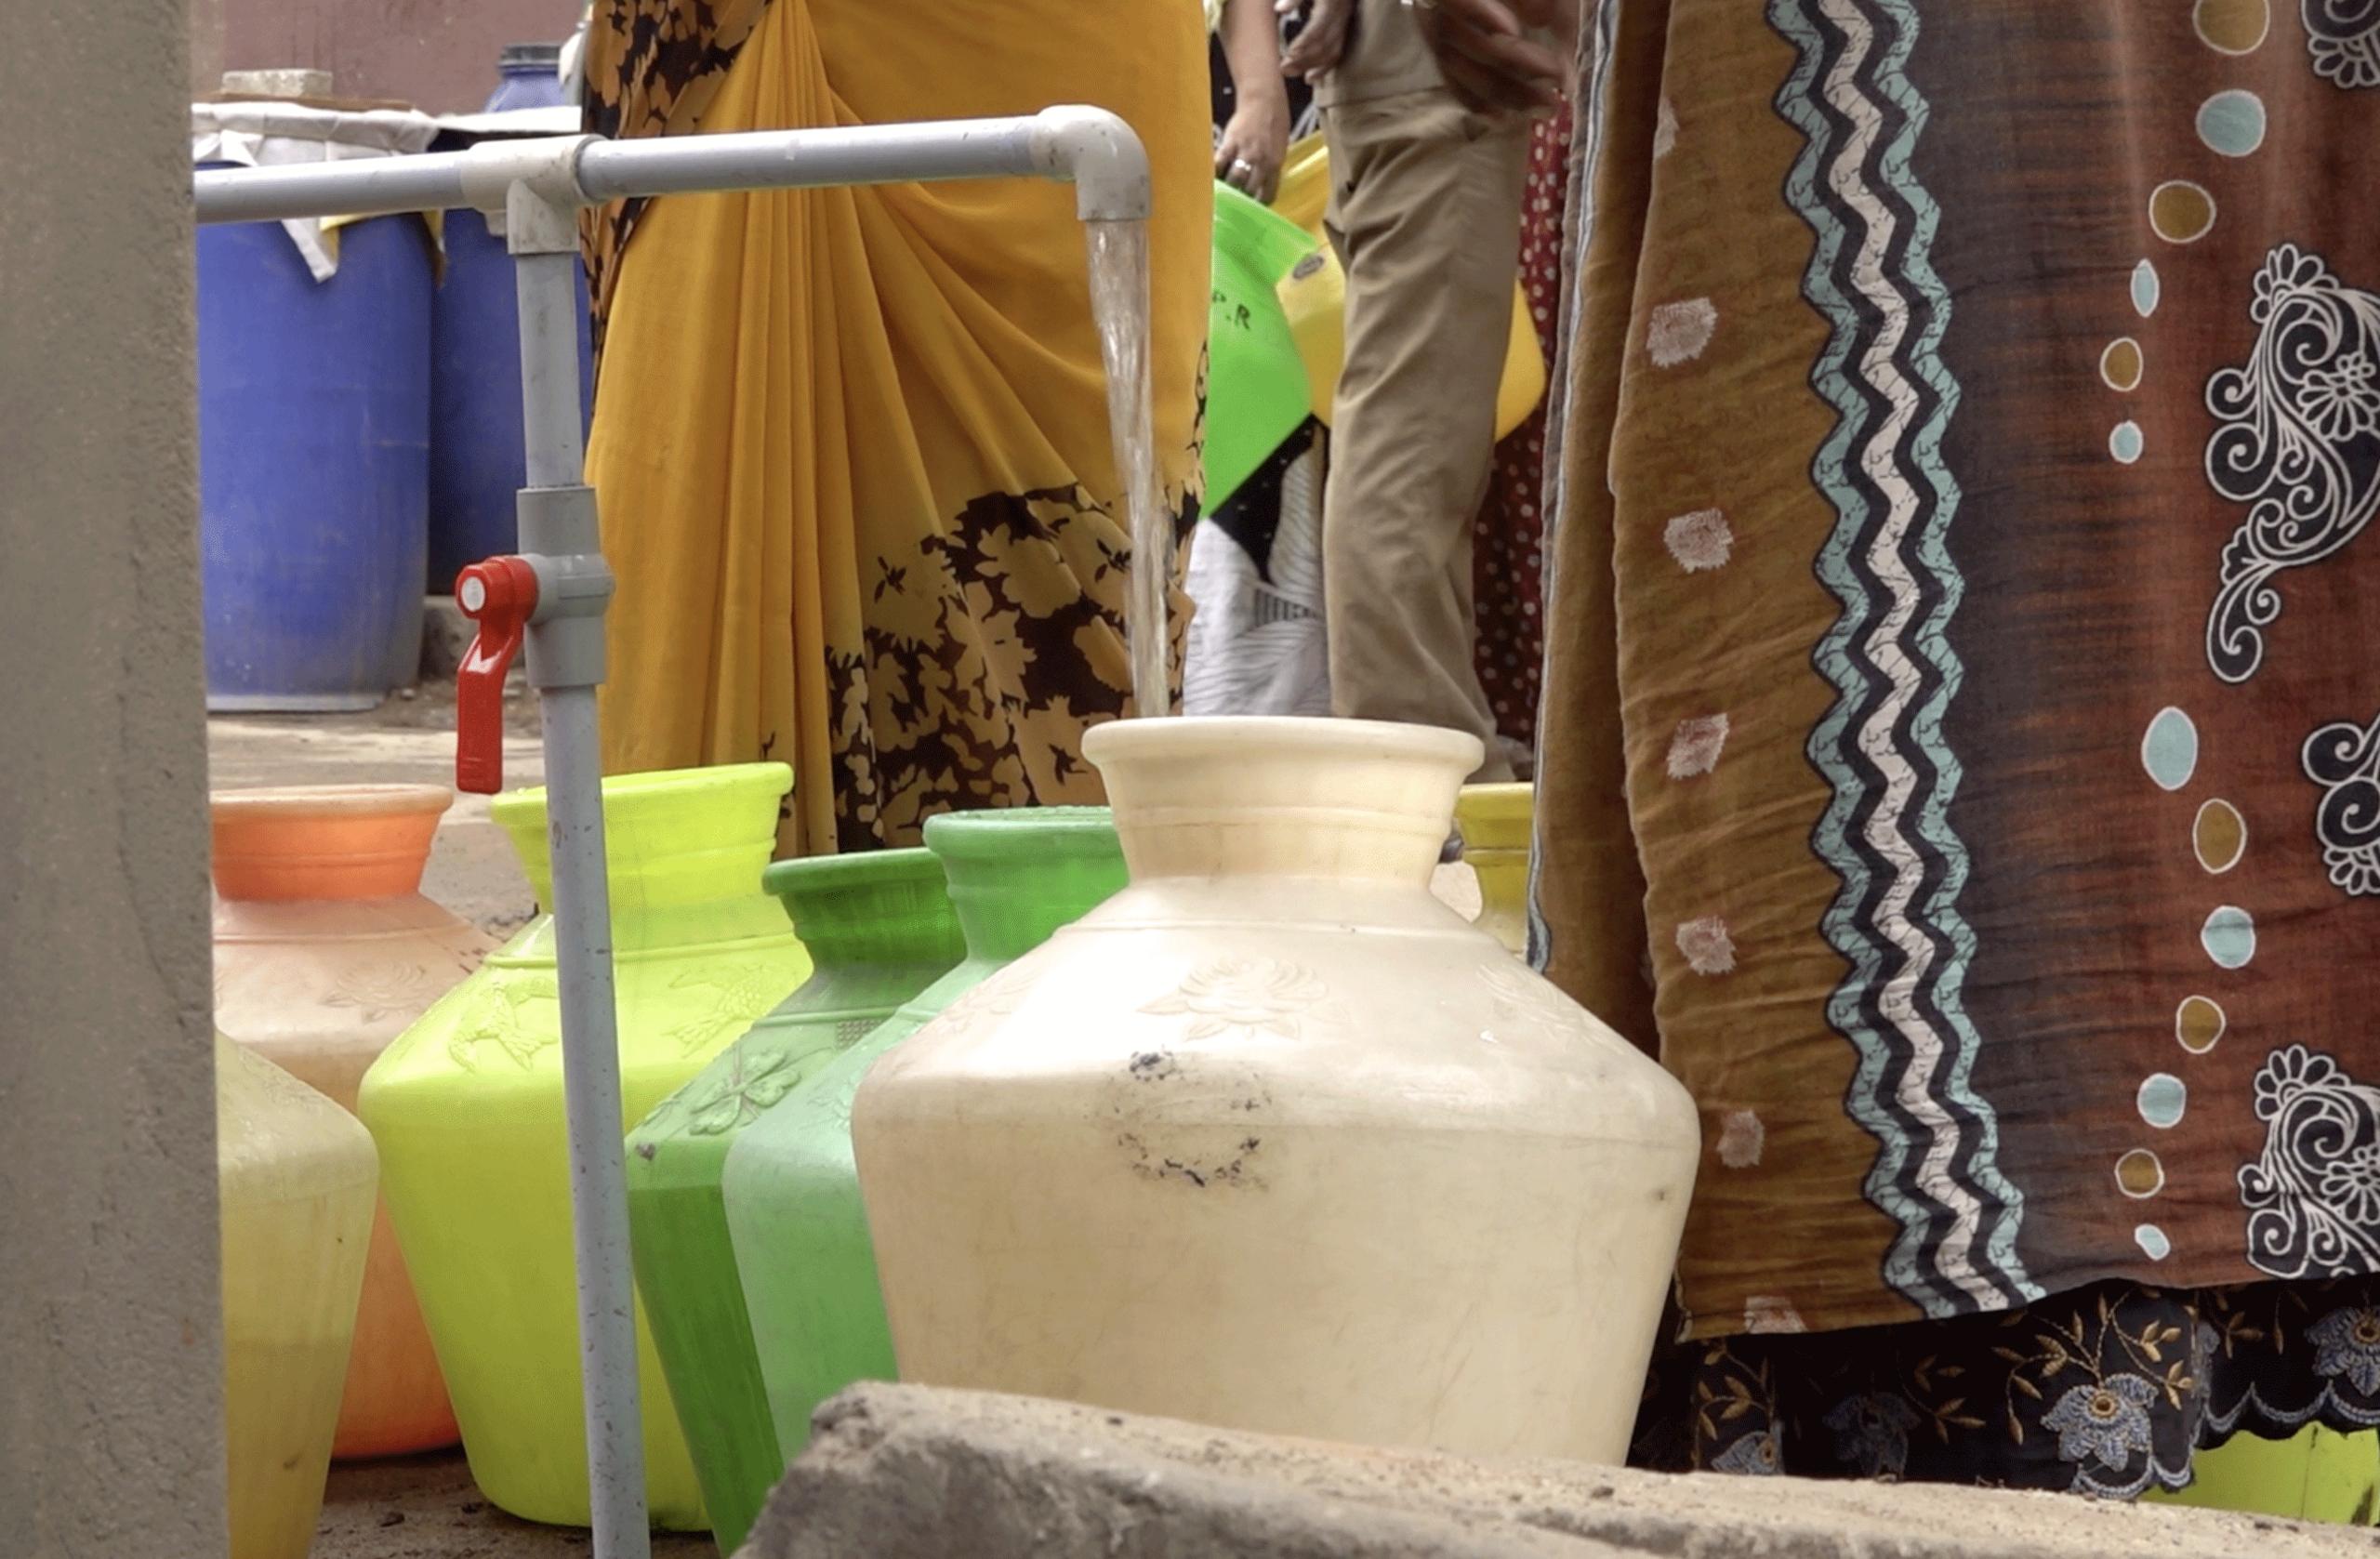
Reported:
(1205, 1171)
(1176, 1123)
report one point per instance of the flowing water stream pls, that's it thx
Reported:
(1119, 303)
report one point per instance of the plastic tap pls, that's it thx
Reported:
(500, 595)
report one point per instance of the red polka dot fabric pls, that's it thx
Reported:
(1508, 565)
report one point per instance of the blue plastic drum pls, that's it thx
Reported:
(313, 431)
(529, 75)
(476, 461)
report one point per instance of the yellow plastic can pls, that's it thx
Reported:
(1314, 295)
(299, 1182)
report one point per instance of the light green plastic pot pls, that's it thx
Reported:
(790, 1187)
(1258, 392)
(881, 929)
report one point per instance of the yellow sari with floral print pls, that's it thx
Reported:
(852, 445)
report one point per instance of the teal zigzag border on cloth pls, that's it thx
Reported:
(1920, 1243)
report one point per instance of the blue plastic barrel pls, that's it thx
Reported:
(531, 77)
(476, 460)
(313, 436)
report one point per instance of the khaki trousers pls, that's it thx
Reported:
(1425, 207)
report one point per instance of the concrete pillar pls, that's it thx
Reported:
(110, 1356)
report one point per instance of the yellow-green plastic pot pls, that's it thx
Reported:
(2318, 1474)
(1494, 821)
(466, 1107)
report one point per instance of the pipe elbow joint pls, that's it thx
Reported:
(1099, 152)
(533, 186)
(549, 165)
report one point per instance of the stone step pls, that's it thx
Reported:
(911, 1472)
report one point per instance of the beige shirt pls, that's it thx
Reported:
(1386, 56)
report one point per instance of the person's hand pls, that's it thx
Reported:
(1490, 60)
(1319, 44)
(1255, 143)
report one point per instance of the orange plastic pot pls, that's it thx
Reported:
(324, 951)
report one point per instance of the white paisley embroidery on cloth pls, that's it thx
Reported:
(1695, 746)
(2313, 1198)
(2344, 38)
(1700, 541)
(1708, 947)
(2344, 758)
(2298, 442)
(1742, 1139)
(1765, 1313)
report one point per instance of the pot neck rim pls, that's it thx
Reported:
(1016, 875)
(876, 906)
(330, 800)
(324, 843)
(672, 836)
(1020, 835)
(1262, 797)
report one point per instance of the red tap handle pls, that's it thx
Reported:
(499, 595)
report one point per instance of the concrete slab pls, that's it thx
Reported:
(909, 1473)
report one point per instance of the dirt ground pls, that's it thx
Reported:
(426, 1507)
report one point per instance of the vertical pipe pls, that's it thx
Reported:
(582, 911)
(553, 421)
(591, 1094)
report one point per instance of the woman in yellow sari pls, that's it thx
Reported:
(852, 445)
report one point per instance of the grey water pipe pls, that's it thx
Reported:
(1088, 148)
(541, 187)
